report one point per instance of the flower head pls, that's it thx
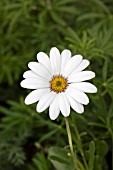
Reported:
(58, 82)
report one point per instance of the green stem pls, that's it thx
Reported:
(81, 150)
(111, 133)
(112, 151)
(73, 154)
(111, 145)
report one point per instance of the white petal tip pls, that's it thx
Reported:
(27, 102)
(86, 103)
(54, 48)
(94, 74)
(67, 50)
(66, 115)
(94, 90)
(24, 75)
(79, 55)
(81, 112)
(52, 118)
(22, 84)
(88, 62)
(38, 109)
(39, 54)
(29, 64)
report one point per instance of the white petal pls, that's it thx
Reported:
(30, 74)
(78, 95)
(81, 66)
(78, 107)
(54, 109)
(40, 70)
(66, 56)
(85, 87)
(81, 76)
(35, 95)
(44, 60)
(45, 101)
(64, 104)
(72, 64)
(34, 83)
(55, 59)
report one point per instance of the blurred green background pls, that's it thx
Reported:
(30, 26)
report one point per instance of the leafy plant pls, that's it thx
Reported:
(29, 140)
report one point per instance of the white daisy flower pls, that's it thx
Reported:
(58, 82)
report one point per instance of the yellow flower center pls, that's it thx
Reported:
(58, 84)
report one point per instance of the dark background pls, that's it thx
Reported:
(27, 27)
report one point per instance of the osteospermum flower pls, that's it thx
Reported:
(58, 82)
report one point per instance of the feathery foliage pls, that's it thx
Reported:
(29, 140)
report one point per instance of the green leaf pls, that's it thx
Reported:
(73, 35)
(48, 135)
(41, 162)
(102, 5)
(98, 165)
(65, 9)
(109, 88)
(89, 16)
(101, 148)
(97, 124)
(63, 2)
(91, 155)
(84, 38)
(105, 69)
(57, 18)
(60, 158)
